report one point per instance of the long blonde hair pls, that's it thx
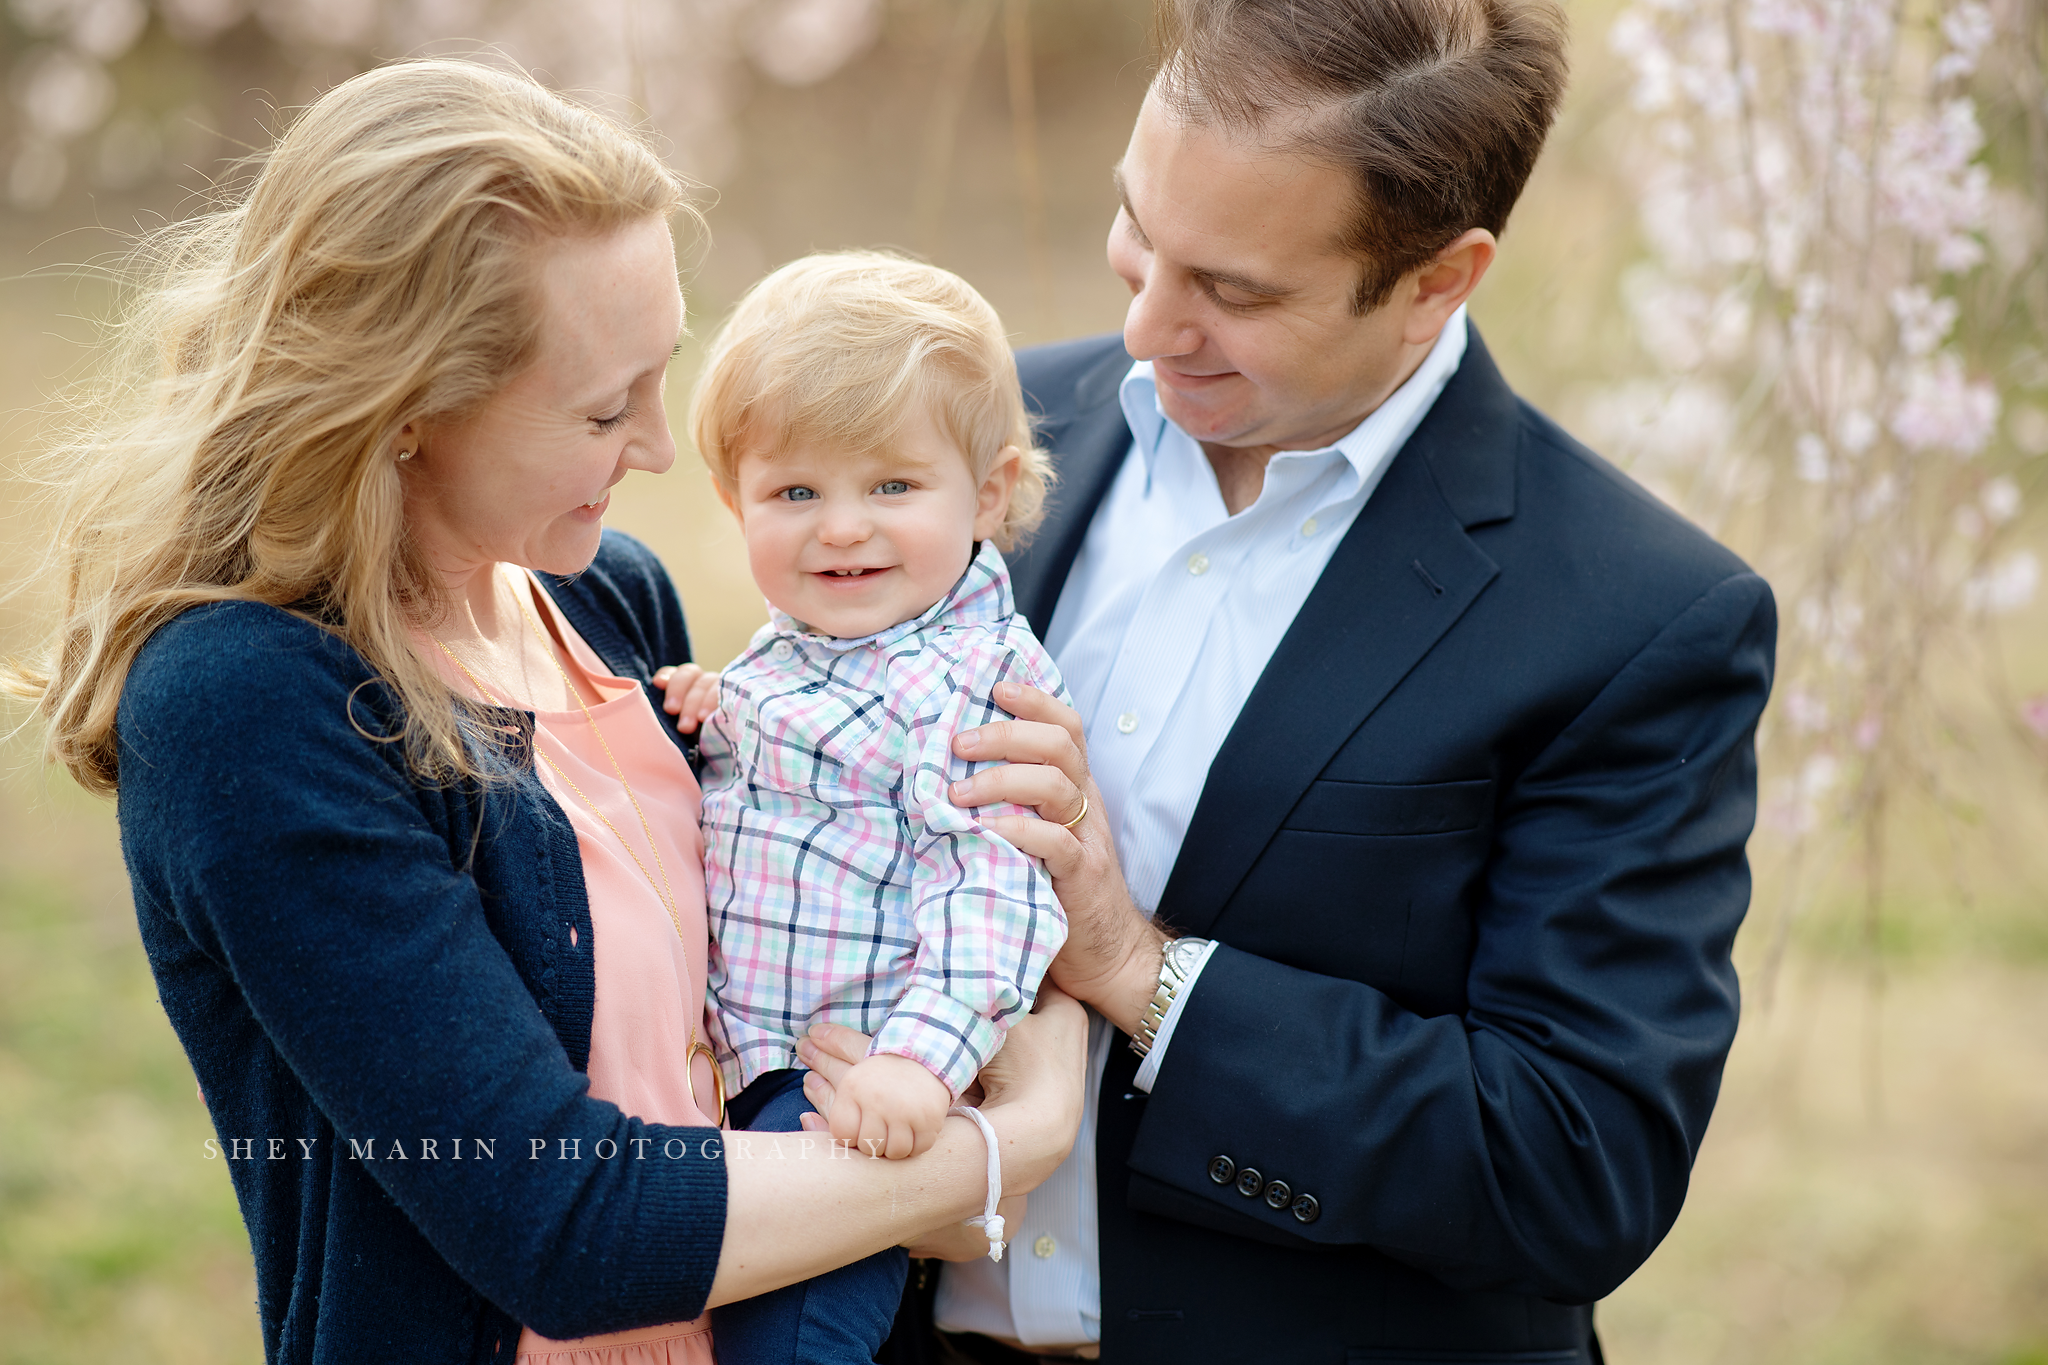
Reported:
(379, 271)
(843, 346)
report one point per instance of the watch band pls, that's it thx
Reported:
(1176, 961)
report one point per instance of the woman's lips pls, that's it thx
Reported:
(593, 511)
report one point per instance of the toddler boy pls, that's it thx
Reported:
(861, 416)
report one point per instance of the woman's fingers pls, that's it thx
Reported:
(834, 1049)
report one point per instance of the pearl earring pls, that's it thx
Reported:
(406, 454)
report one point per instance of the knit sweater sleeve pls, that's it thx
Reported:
(298, 853)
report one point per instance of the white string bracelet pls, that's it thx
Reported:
(990, 1222)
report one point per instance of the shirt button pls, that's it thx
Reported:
(1198, 563)
(1127, 722)
(1308, 528)
(783, 651)
(1044, 1247)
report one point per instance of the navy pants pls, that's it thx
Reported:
(839, 1318)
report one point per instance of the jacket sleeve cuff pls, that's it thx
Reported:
(1148, 1070)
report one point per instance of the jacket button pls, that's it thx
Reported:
(1306, 1210)
(1278, 1195)
(1250, 1182)
(1222, 1169)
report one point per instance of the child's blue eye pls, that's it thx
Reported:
(800, 494)
(891, 487)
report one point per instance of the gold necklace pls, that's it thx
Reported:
(663, 892)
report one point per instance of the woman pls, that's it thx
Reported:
(414, 860)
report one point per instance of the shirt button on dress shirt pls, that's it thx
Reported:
(1308, 528)
(783, 651)
(1045, 1246)
(1127, 722)
(1198, 563)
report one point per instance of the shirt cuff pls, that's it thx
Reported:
(1148, 1070)
(945, 1034)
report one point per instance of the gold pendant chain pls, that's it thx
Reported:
(663, 891)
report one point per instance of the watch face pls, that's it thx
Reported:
(1185, 953)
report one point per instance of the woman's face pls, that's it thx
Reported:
(526, 478)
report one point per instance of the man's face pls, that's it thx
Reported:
(1241, 294)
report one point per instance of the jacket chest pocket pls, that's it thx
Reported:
(1376, 882)
(1392, 809)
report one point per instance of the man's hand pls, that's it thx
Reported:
(692, 694)
(890, 1107)
(1111, 958)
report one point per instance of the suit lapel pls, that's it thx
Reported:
(1088, 442)
(1404, 574)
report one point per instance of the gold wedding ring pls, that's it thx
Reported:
(1078, 818)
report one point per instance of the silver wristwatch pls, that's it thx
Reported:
(1176, 963)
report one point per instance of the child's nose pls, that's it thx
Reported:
(847, 526)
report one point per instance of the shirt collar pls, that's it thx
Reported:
(1367, 447)
(982, 595)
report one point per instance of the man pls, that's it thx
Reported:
(1428, 734)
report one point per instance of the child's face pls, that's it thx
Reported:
(851, 544)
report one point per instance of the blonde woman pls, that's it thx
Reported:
(414, 858)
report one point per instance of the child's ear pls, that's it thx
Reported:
(992, 502)
(727, 496)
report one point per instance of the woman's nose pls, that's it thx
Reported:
(655, 453)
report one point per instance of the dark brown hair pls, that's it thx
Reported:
(1438, 107)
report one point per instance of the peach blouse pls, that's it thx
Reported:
(650, 971)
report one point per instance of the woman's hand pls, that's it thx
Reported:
(843, 1049)
(692, 694)
(964, 1241)
(1111, 958)
(1032, 1089)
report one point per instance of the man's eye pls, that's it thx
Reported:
(800, 494)
(889, 488)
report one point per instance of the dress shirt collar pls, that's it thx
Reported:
(1366, 447)
(982, 595)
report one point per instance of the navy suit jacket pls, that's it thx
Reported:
(1473, 851)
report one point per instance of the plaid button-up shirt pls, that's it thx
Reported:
(842, 883)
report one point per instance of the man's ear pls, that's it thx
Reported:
(992, 499)
(1446, 282)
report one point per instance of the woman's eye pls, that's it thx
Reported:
(613, 422)
(890, 488)
(800, 494)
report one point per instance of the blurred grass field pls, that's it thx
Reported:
(1875, 1184)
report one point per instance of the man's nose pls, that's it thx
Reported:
(1157, 323)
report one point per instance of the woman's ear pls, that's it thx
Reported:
(992, 500)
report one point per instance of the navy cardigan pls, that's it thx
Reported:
(385, 988)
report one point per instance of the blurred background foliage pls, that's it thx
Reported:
(1873, 1188)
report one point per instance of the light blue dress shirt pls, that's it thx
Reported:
(1170, 614)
